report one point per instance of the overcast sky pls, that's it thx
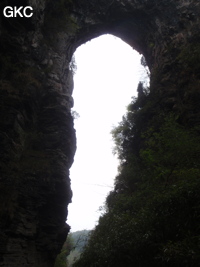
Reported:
(108, 72)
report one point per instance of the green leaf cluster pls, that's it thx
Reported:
(152, 216)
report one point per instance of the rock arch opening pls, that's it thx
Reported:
(108, 73)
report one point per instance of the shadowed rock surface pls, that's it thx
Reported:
(36, 127)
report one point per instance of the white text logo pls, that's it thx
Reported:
(10, 12)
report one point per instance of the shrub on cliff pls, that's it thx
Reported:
(152, 215)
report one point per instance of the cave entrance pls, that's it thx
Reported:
(108, 72)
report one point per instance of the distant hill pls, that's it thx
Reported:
(79, 239)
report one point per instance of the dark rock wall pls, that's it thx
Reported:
(36, 127)
(37, 140)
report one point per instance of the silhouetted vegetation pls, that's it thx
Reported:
(152, 217)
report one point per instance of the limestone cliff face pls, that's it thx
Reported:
(36, 127)
(37, 141)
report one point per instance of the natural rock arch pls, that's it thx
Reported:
(37, 135)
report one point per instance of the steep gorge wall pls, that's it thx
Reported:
(36, 127)
(37, 141)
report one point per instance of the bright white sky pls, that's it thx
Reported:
(108, 72)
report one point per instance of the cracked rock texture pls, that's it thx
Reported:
(36, 127)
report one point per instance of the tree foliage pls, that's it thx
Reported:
(152, 216)
(61, 260)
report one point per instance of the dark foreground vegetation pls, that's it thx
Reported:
(152, 217)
